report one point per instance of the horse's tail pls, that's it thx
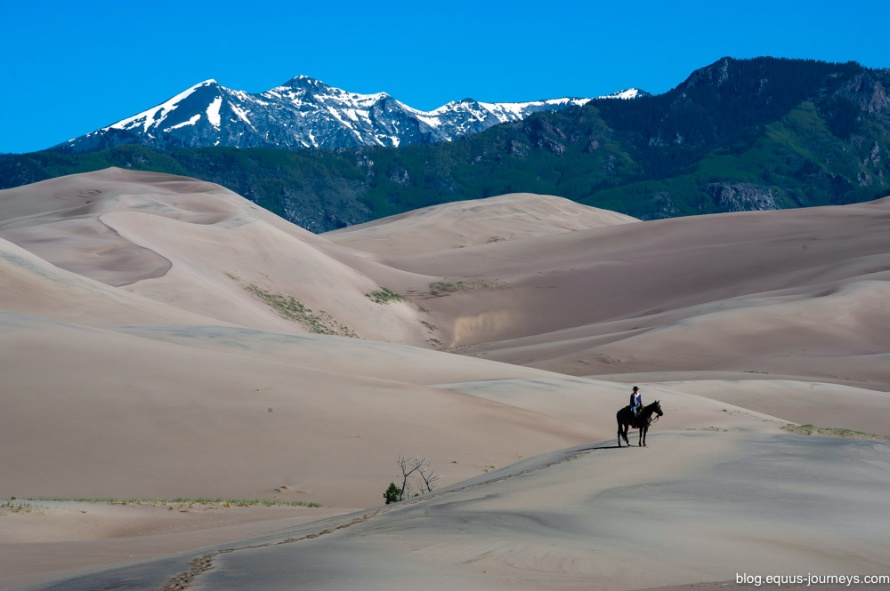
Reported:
(619, 416)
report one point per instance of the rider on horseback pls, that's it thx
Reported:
(636, 402)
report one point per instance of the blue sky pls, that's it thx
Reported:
(68, 68)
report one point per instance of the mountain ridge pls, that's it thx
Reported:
(737, 135)
(304, 113)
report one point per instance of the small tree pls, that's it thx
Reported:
(392, 494)
(428, 479)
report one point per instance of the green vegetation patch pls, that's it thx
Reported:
(833, 432)
(385, 296)
(290, 308)
(443, 288)
(16, 507)
(440, 288)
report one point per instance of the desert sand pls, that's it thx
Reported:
(160, 338)
(469, 223)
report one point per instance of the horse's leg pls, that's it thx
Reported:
(622, 432)
(643, 436)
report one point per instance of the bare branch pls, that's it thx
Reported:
(427, 474)
(428, 478)
(407, 471)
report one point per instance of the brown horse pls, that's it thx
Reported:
(626, 420)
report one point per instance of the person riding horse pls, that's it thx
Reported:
(636, 402)
(647, 415)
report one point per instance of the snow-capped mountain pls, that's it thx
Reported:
(305, 113)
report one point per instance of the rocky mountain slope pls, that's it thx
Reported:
(737, 135)
(304, 113)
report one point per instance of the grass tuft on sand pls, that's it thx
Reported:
(16, 507)
(385, 296)
(833, 432)
(444, 288)
(290, 308)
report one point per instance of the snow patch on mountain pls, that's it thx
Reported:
(191, 121)
(306, 113)
(213, 112)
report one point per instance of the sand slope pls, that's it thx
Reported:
(468, 223)
(135, 339)
(146, 356)
(790, 292)
(692, 507)
(199, 248)
(130, 318)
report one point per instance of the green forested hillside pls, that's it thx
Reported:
(736, 135)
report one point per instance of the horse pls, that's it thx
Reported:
(626, 420)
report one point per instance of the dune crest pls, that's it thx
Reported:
(202, 249)
(515, 216)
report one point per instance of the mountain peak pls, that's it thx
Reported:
(627, 94)
(715, 74)
(302, 113)
(303, 81)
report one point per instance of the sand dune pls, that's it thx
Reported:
(48, 539)
(145, 418)
(692, 507)
(199, 248)
(793, 292)
(468, 223)
(143, 328)
(31, 285)
(814, 403)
